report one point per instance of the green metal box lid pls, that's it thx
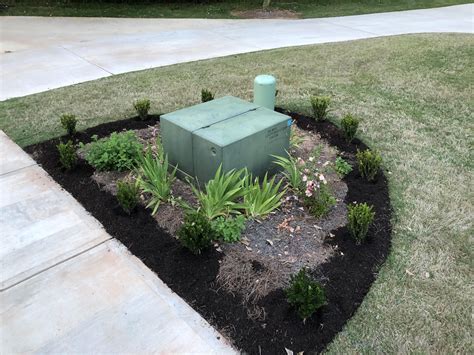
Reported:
(241, 126)
(208, 113)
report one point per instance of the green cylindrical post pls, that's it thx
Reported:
(264, 90)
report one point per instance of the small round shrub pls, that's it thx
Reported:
(197, 233)
(206, 95)
(369, 162)
(305, 294)
(128, 194)
(68, 122)
(349, 125)
(67, 155)
(320, 105)
(142, 107)
(360, 218)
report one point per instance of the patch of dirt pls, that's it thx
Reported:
(171, 217)
(270, 325)
(107, 180)
(266, 14)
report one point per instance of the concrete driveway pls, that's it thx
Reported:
(41, 53)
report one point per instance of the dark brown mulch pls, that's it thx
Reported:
(348, 275)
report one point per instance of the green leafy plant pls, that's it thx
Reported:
(220, 194)
(261, 199)
(369, 163)
(291, 170)
(349, 125)
(320, 105)
(206, 95)
(305, 294)
(142, 107)
(320, 202)
(68, 122)
(228, 229)
(128, 194)
(117, 152)
(67, 155)
(197, 233)
(342, 167)
(360, 218)
(154, 177)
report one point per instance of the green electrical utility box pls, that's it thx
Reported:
(227, 131)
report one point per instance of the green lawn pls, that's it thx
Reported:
(210, 9)
(414, 96)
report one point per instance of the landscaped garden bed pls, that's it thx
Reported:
(242, 288)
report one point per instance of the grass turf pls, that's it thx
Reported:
(210, 9)
(414, 97)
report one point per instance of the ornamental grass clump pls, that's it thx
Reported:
(154, 177)
(369, 162)
(261, 199)
(142, 107)
(360, 218)
(197, 232)
(304, 294)
(349, 125)
(67, 155)
(117, 152)
(128, 194)
(68, 122)
(291, 170)
(320, 105)
(206, 95)
(221, 194)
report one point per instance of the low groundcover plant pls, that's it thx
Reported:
(117, 152)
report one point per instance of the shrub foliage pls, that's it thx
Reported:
(304, 294)
(142, 107)
(128, 194)
(320, 105)
(197, 233)
(67, 155)
(206, 95)
(68, 122)
(360, 218)
(369, 163)
(349, 125)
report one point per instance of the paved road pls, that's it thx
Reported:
(41, 53)
(67, 287)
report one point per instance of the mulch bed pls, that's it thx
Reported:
(347, 275)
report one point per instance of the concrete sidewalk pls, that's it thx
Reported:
(41, 53)
(67, 286)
